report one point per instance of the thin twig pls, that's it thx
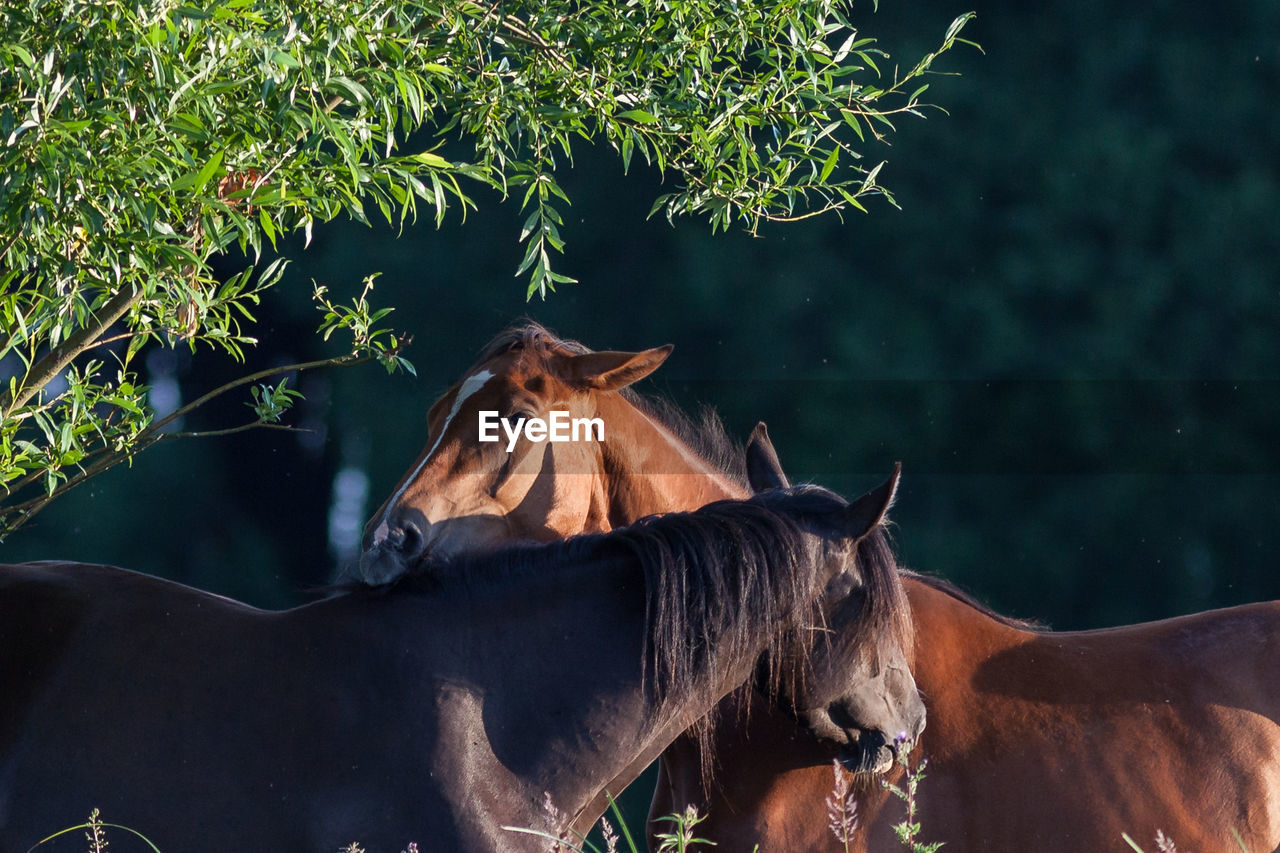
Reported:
(108, 459)
(214, 433)
(340, 361)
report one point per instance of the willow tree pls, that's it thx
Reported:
(142, 138)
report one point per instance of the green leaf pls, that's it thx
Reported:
(21, 53)
(958, 24)
(284, 60)
(639, 116)
(268, 227)
(427, 158)
(531, 224)
(349, 89)
(829, 165)
(196, 181)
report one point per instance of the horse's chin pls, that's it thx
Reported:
(872, 755)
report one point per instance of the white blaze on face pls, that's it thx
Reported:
(470, 385)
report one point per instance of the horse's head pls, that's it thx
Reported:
(855, 690)
(486, 477)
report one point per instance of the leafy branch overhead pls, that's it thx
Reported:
(143, 138)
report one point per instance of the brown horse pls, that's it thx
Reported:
(1036, 740)
(473, 695)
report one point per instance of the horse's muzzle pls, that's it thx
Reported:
(391, 556)
(872, 754)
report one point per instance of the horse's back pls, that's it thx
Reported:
(44, 605)
(1226, 658)
(1171, 725)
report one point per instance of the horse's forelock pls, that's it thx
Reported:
(531, 337)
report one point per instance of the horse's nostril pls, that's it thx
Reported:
(409, 541)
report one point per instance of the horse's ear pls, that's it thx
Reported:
(868, 511)
(609, 371)
(764, 471)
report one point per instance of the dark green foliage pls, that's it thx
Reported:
(142, 141)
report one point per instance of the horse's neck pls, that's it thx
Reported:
(577, 752)
(660, 738)
(953, 642)
(649, 470)
(592, 710)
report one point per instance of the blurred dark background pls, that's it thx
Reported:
(1068, 334)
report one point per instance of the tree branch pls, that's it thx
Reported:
(57, 359)
(13, 517)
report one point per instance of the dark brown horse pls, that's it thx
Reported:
(474, 694)
(1037, 741)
